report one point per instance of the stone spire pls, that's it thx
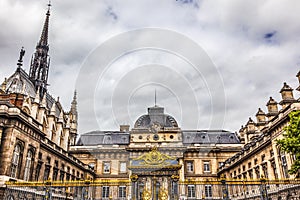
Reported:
(40, 62)
(74, 104)
(73, 120)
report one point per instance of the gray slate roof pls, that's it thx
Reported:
(103, 138)
(209, 137)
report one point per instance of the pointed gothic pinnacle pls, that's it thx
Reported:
(3, 85)
(53, 110)
(74, 104)
(37, 96)
(44, 101)
(44, 36)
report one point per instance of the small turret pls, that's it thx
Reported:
(260, 116)
(250, 126)
(272, 108)
(260, 119)
(287, 95)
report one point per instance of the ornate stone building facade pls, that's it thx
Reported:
(35, 131)
(155, 155)
(155, 159)
(260, 156)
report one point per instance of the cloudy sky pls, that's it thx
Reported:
(211, 63)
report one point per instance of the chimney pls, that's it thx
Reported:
(250, 126)
(260, 118)
(287, 95)
(272, 108)
(124, 128)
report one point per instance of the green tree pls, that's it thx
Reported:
(291, 141)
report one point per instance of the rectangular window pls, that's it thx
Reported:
(191, 191)
(122, 191)
(206, 166)
(106, 167)
(208, 191)
(105, 191)
(284, 166)
(190, 166)
(123, 167)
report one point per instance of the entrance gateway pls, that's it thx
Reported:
(154, 176)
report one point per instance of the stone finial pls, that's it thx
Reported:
(3, 85)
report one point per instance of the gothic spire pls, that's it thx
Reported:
(74, 104)
(44, 35)
(40, 62)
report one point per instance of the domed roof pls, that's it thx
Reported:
(155, 117)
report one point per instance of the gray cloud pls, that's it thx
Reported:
(254, 46)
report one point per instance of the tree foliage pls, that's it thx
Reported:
(291, 141)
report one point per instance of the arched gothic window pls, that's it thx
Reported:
(16, 162)
(28, 165)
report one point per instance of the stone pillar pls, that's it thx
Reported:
(6, 151)
(181, 177)
(1, 131)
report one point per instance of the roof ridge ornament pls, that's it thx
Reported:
(20, 61)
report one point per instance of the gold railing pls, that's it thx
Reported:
(111, 182)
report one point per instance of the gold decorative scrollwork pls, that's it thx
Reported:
(163, 194)
(154, 157)
(146, 195)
